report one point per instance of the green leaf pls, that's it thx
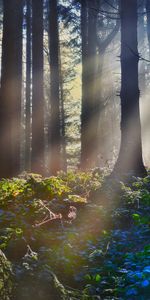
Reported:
(88, 277)
(136, 216)
(98, 278)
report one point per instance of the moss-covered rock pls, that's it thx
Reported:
(6, 282)
(41, 283)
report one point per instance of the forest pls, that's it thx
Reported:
(74, 149)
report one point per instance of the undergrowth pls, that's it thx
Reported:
(52, 228)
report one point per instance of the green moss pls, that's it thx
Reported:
(6, 283)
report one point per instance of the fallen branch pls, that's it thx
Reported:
(55, 217)
(69, 217)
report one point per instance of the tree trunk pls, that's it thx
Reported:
(28, 87)
(90, 99)
(130, 156)
(62, 117)
(54, 125)
(11, 86)
(84, 108)
(37, 155)
(142, 47)
(148, 22)
(91, 102)
(16, 127)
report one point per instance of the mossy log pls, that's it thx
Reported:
(6, 278)
(43, 285)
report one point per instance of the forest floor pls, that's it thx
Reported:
(74, 236)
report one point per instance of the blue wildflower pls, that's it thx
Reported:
(146, 269)
(131, 291)
(145, 283)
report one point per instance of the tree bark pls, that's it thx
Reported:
(54, 125)
(142, 47)
(62, 117)
(28, 87)
(148, 22)
(37, 155)
(90, 98)
(84, 108)
(11, 86)
(130, 156)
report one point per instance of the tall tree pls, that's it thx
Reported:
(62, 118)
(85, 109)
(147, 4)
(141, 39)
(10, 92)
(93, 49)
(37, 155)
(16, 114)
(28, 85)
(90, 100)
(130, 156)
(54, 125)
